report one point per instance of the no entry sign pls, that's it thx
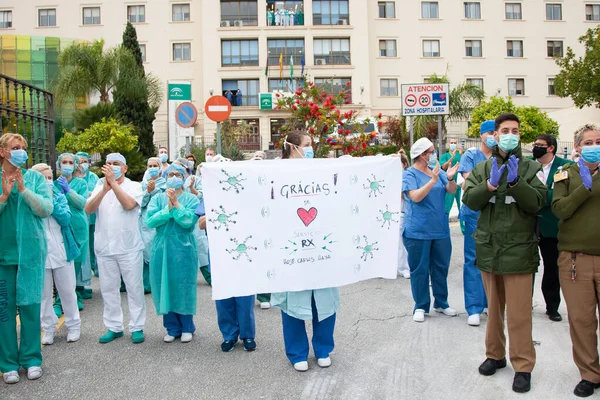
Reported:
(425, 99)
(217, 108)
(186, 114)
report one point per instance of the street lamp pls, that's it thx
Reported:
(211, 91)
(362, 90)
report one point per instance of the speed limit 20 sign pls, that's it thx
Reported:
(425, 99)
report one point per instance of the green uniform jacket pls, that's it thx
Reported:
(549, 223)
(506, 240)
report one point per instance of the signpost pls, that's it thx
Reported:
(179, 92)
(425, 99)
(186, 115)
(266, 101)
(218, 109)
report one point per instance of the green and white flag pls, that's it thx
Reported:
(292, 66)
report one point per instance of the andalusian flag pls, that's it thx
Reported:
(267, 67)
(281, 65)
(292, 66)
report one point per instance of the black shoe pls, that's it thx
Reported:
(489, 366)
(228, 345)
(249, 344)
(522, 382)
(554, 316)
(585, 388)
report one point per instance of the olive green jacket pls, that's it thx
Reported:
(506, 239)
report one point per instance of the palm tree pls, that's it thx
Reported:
(463, 98)
(86, 68)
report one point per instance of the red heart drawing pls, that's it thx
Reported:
(307, 216)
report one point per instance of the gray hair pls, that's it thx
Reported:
(583, 129)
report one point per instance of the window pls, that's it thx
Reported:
(513, 11)
(239, 13)
(250, 138)
(592, 12)
(136, 14)
(426, 80)
(516, 87)
(283, 85)
(555, 48)
(429, 10)
(182, 51)
(473, 48)
(475, 82)
(336, 86)
(387, 48)
(330, 12)
(91, 15)
(514, 48)
(143, 50)
(5, 19)
(47, 17)
(287, 48)
(472, 10)
(387, 9)
(551, 90)
(332, 51)
(239, 53)
(388, 87)
(285, 12)
(553, 12)
(431, 48)
(245, 91)
(181, 12)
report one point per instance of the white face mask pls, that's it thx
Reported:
(210, 158)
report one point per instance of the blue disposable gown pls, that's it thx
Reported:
(62, 215)
(200, 234)
(23, 235)
(172, 275)
(147, 232)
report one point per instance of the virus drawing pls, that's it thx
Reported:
(241, 249)
(374, 186)
(387, 217)
(223, 218)
(233, 182)
(368, 249)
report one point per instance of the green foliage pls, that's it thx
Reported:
(230, 136)
(395, 127)
(130, 42)
(84, 118)
(374, 150)
(579, 77)
(102, 137)
(198, 150)
(534, 122)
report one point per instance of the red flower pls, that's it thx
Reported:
(348, 83)
(332, 107)
(297, 101)
(373, 135)
(294, 108)
(347, 102)
(341, 131)
(325, 128)
(364, 145)
(379, 115)
(347, 131)
(311, 130)
(277, 144)
(276, 94)
(278, 107)
(380, 124)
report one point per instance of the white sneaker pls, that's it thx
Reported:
(34, 373)
(73, 335)
(169, 339)
(406, 274)
(324, 362)
(419, 315)
(265, 305)
(451, 312)
(186, 337)
(485, 311)
(48, 338)
(11, 377)
(474, 320)
(301, 366)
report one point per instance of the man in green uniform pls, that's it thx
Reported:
(448, 160)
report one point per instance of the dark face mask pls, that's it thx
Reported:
(539, 152)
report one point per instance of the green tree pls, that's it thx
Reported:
(102, 137)
(84, 118)
(579, 77)
(534, 122)
(463, 98)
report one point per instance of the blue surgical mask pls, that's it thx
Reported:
(117, 171)
(174, 183)
(67, 170)
(452, 146)
(50, 184)
(163, 158)
(18, 157)
(308, 152)
(432, 160)
(491, 142)
(591, 154)
(153, 172)
(85, 167)
(508, 142)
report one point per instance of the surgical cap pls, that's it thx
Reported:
(116, 157)
(156, 160)
(487, 126)
(420, 147)
(73, 156)
(83, 154)
(176, 167)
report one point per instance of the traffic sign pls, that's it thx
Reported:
(425, 99)
(186, 115)
(217, 108)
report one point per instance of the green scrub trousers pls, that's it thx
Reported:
(30, 352)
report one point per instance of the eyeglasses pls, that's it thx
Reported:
(174, 175)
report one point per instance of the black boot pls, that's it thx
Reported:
(522, 382)
(585, 388)
(554, 316)
(490, 366)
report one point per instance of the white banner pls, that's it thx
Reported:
(289, 225)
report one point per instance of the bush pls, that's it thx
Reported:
(374, 150)
(88, 116)
(102, 137)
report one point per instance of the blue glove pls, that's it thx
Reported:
(64, 185)
(513, 169)
(200, 211)
(586, 175)
(496, 173)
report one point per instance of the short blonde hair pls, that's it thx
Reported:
(41, 167)
(9, 137)
(583, 129)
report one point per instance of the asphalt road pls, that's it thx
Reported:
(380, 354)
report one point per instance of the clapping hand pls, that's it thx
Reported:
(452, 171)
(109, 174)
(586, 175)
(7, 184)
(172, 195)
(496, 173)
(513, 169)
(64, 185)
(436, 173)
(151, 186)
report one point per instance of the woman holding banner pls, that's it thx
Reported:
(320, 305)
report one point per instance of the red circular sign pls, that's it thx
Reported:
(217, 108)
(410, 100)
(424, 100)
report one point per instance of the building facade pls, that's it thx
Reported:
(235, 46)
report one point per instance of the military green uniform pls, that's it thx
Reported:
(507, 253)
